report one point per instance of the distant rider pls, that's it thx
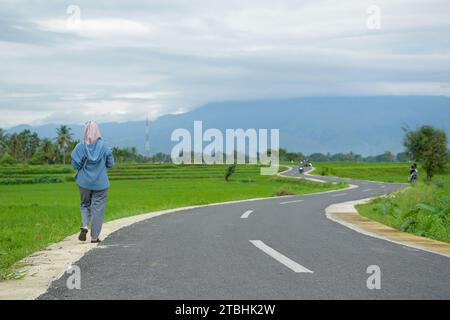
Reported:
(413, 173)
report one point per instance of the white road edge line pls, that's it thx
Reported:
(294, 266)
(246, 214)
(367, 190)
(293, 201)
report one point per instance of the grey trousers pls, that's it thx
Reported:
(93, 205)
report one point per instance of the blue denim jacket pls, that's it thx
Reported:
(91, 162)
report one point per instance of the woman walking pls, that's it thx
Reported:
(91, 158)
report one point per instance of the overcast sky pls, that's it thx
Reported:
(125, 59)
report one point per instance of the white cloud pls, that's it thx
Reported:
(97, 28)
(143, 95)
(13, 116)
(163, 56)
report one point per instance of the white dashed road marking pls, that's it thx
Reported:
(246, 214)
(294, 266)
(293, 201)
(339, 195)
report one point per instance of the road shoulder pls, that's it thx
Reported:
(346, 214)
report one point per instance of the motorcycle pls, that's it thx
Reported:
(413, 177)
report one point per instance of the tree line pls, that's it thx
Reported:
(27, 147)
(387, 156)
(426, 144)
(124, 155)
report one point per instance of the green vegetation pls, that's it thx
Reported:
(422, 209)
(229, 171)
(384, 172)
(287, 157)
(28, 148)
(64, 142)
(387, 156)
(35, 215)
(428, 145)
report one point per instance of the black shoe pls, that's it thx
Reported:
(83, 233)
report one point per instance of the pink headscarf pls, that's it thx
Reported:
(91, 132)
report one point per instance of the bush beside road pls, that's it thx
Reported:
(423, 209)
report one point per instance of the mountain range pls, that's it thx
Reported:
(364, 125)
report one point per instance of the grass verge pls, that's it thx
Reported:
(423, 209)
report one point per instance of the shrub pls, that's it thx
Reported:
(47, 179)
(8, 160)
(283, 191)
(37, 180)
(423, 209)
(439, 183)
(325, 171)
(230, 170)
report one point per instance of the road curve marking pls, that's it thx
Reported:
(293, 201)
(246, 214)
(294, 266)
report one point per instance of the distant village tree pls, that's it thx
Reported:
(64, 142)
(429, 146)
(389, 156)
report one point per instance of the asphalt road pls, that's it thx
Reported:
(268, 249)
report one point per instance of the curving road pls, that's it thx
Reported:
(266, 249)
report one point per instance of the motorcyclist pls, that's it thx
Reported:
(413, 173)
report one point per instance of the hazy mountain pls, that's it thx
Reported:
(366, 125)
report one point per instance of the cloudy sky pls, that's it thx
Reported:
(122, 60)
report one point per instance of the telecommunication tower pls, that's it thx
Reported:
(147, 138)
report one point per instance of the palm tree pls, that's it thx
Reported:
(15, 147)
(48, 151)
(30, 142)
(3, 141)
(63, 140)
(2, 135)
(121, 155)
